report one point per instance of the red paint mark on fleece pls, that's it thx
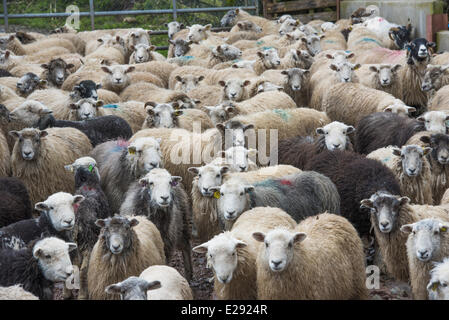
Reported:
(122, 143)
(286, 182)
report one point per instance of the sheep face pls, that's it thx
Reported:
(29, 113)
(270, 58)
(233, 200)
(28, 83)
(198, 32)
(117, 233)
(266, 86)
(288, 26)
(344, 71)
(313, 44)
(238, 158)
(227, 52)
(440, 147)
(220, 113)
(222, 255)
(86, 171)
(188, 82)
(173, 27)
(4, 41)
(385, 208)
(60, 208)
(302, 58)
(145, 155)
(143, 52)
(401, 35)
(133, 288)
(340, 56)
(4, 57)
(159, 184)
(234, 89)
(139, 37)
(433, 78)
(208, 176)
(279, 247)
(335, 135)
(85, 89)
(434, 121)
(295, 78)
(85, 109)
(234, 131)
(249, 26)
(162, 115)
(230, 18)
(419, 51)
(53, 258)
(28, 142)
(58, 71)
(117, 76)
(400, 108)
(180, 47)
(385, 73)
(411, 158)
(283, 18)
(425, 237)
(438, 287)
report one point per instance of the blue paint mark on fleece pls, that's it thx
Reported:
(329, 41)
(260, 42)
(267, 48)
(187, 57)
(386, 159)
(282, 113)
(111, 106)
(369, 40)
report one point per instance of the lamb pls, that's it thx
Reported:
(16, 205)
(427, 241)
(161, 199)
(144, 53)
(121, 163)
(292, 193)
(93, 207)
(298, 150)
(351, 102)
(30, 82)
(437, 286)
(154, 283)
(322, 258)
(57, 218)
(382, 77)
(124, 248)
(85, 89)
(16, 292)
(205, 215)
(388, 212)
(199, 34)
(356, 178)
(238, 158)
(135, 38)
(411, 168)
(41, 156)
(371, 129)
(232, 254)
(37, 267)
(116, 78)
(288, 25)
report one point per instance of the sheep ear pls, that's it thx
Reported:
(41, 206)
(299, 237)
(70, 66)
(193, 170)
(14, 134)
(350, 129)
(7, 53)
(170, 41)
(304, 40)
(407, 228)
(329, 56)
(45, 111)
(319, 131)
(143, 182)
(366, 204)
(130, 69)
(153, 285)
(357, 66)
(133, 48)
(151, 48)
(37, 253)
(259, 236)
(200, 78)
(249, 189)
(133, 223)
(178, 78)
(247, 127)
(427, 150)
(396, 68)
(72, 246)
(260, 54)
(176, 179)
(202, 248)
(333, 67)
(240, 244)
(106, 69)
(99, 103)
(411, 109)
(388, 109)
(425, 139)
(132, 150)
(224, 169)
(433, 285)
(113, 289)
(404, 200)
(444, 227)
(77, 199)
(421, 118)
(207, 26)
(350, 55)
(220, 126)
(100, 223)
(431, 44)
(230, 109)
(246, 83)
(284, 72)
(397, 152)
(42, 82)
(73, 106)
(43, 134)
(373, 69)
(44, 66)
(222, 83)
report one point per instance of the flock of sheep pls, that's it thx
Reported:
(296, 154)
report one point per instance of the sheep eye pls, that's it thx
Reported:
(241, 193)
(222, 194)
(199, 175)
(444, 285)
(289, 244)
(47, 256)
(266, 244)
(217, 176)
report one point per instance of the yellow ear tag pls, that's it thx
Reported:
(177, 113)
(217, 195)
(131, 151)
(435, 287)
(443, 229)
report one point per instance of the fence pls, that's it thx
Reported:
(92, 14)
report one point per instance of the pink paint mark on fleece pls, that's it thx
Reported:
(381, 19)
(286, 182)
(122, 143)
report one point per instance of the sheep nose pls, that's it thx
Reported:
(384, 224)
(68, 221)
(242, 168)
(27, 153)
(115, 246)
(165, 198)
(224, 279)
(233, 94)
(231, 213)
(296, 87)
(276, 263)
(346, 79)
(336, 146)
(154, 164)
(412, 170)
(423, 253)
(206, 190)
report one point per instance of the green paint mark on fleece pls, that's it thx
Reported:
(282, 113)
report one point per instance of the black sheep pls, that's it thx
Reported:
(85, 89)
(356, 178)
(98, 130)
(15, 204)
(5, 73)
(383, 129)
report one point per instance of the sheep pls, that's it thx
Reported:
(120, 163)
(439, 100)
(112, 49)
(298, 150)
(232, 254)
(204, 205)
(55, 72)
(41, 156)
(199, 34)
(14, 45)
(296, 59)
(223, 53)
(37, 267)
(246, 25)
(356, 178)
(9, 98)
(30, 82)
(292, 193)
(351, 102)
(296, 86)
(288, 25)
(57, 218)
(382, 77)
(16, 292)
(401, 35)
(206, 95)
(411, 168)
(93, 207)
(135, 38)
(173, 27)
(437, 286)
(266, 59)
(322, 258)
(16, 205)
(187, 82)
(238, 159)
(159, 197)
(178, 47)
(124, 248)
(361, 39)
(234, 16)
(427, 241)
(116, 78)
(388, 212)
(144, 53)
(371, 129)
(333, 40)
(434, 79)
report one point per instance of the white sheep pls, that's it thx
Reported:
(439, 279)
